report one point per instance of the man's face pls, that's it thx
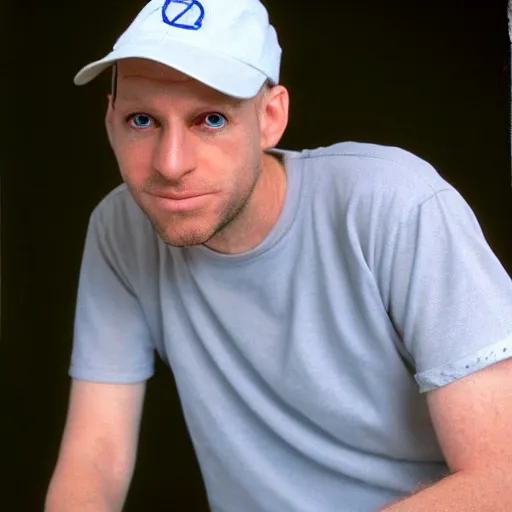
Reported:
(190, 155)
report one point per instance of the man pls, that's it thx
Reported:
(337, 326)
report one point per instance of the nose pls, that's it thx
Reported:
(174, 155)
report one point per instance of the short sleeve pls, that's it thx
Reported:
(112, 342)
(448, 295)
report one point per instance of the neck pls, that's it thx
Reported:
(259, 215)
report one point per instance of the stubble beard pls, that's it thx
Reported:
(188, 237)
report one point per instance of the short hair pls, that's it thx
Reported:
(113, 85)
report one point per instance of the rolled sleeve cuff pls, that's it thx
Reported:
(448, 373)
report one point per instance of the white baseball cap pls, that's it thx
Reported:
(228, 45)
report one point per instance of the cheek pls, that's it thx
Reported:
(134, 161)
(241, 156)
(234, 173)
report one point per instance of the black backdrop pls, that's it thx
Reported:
(432, 77)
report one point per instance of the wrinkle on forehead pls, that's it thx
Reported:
(158, 77)
(144, 68)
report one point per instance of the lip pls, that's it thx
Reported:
(179, 197)
(181, 202)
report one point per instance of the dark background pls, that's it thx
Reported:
(432, 77)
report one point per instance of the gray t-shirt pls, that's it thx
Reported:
(302, 364)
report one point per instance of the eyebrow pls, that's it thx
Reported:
(230, 107)
(199, 105)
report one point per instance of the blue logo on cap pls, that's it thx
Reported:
(188, 15)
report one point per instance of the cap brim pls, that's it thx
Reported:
(227, 75)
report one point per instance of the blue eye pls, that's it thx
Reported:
(141, 120)
(215, 120)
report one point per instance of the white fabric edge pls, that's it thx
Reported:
(450, 372)
(223, 73)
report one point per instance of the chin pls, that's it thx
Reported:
(184, 237)
(180, 230)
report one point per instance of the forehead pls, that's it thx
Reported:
(142, 75)
(151, 70)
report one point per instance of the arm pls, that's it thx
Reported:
(473, 421)
(98, 449)
(450, 300)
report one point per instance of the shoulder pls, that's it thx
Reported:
(122, 232)
(117, 214)
(373, 165)
(373, 178)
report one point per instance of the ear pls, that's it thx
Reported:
(109, 120)
(274, 107)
